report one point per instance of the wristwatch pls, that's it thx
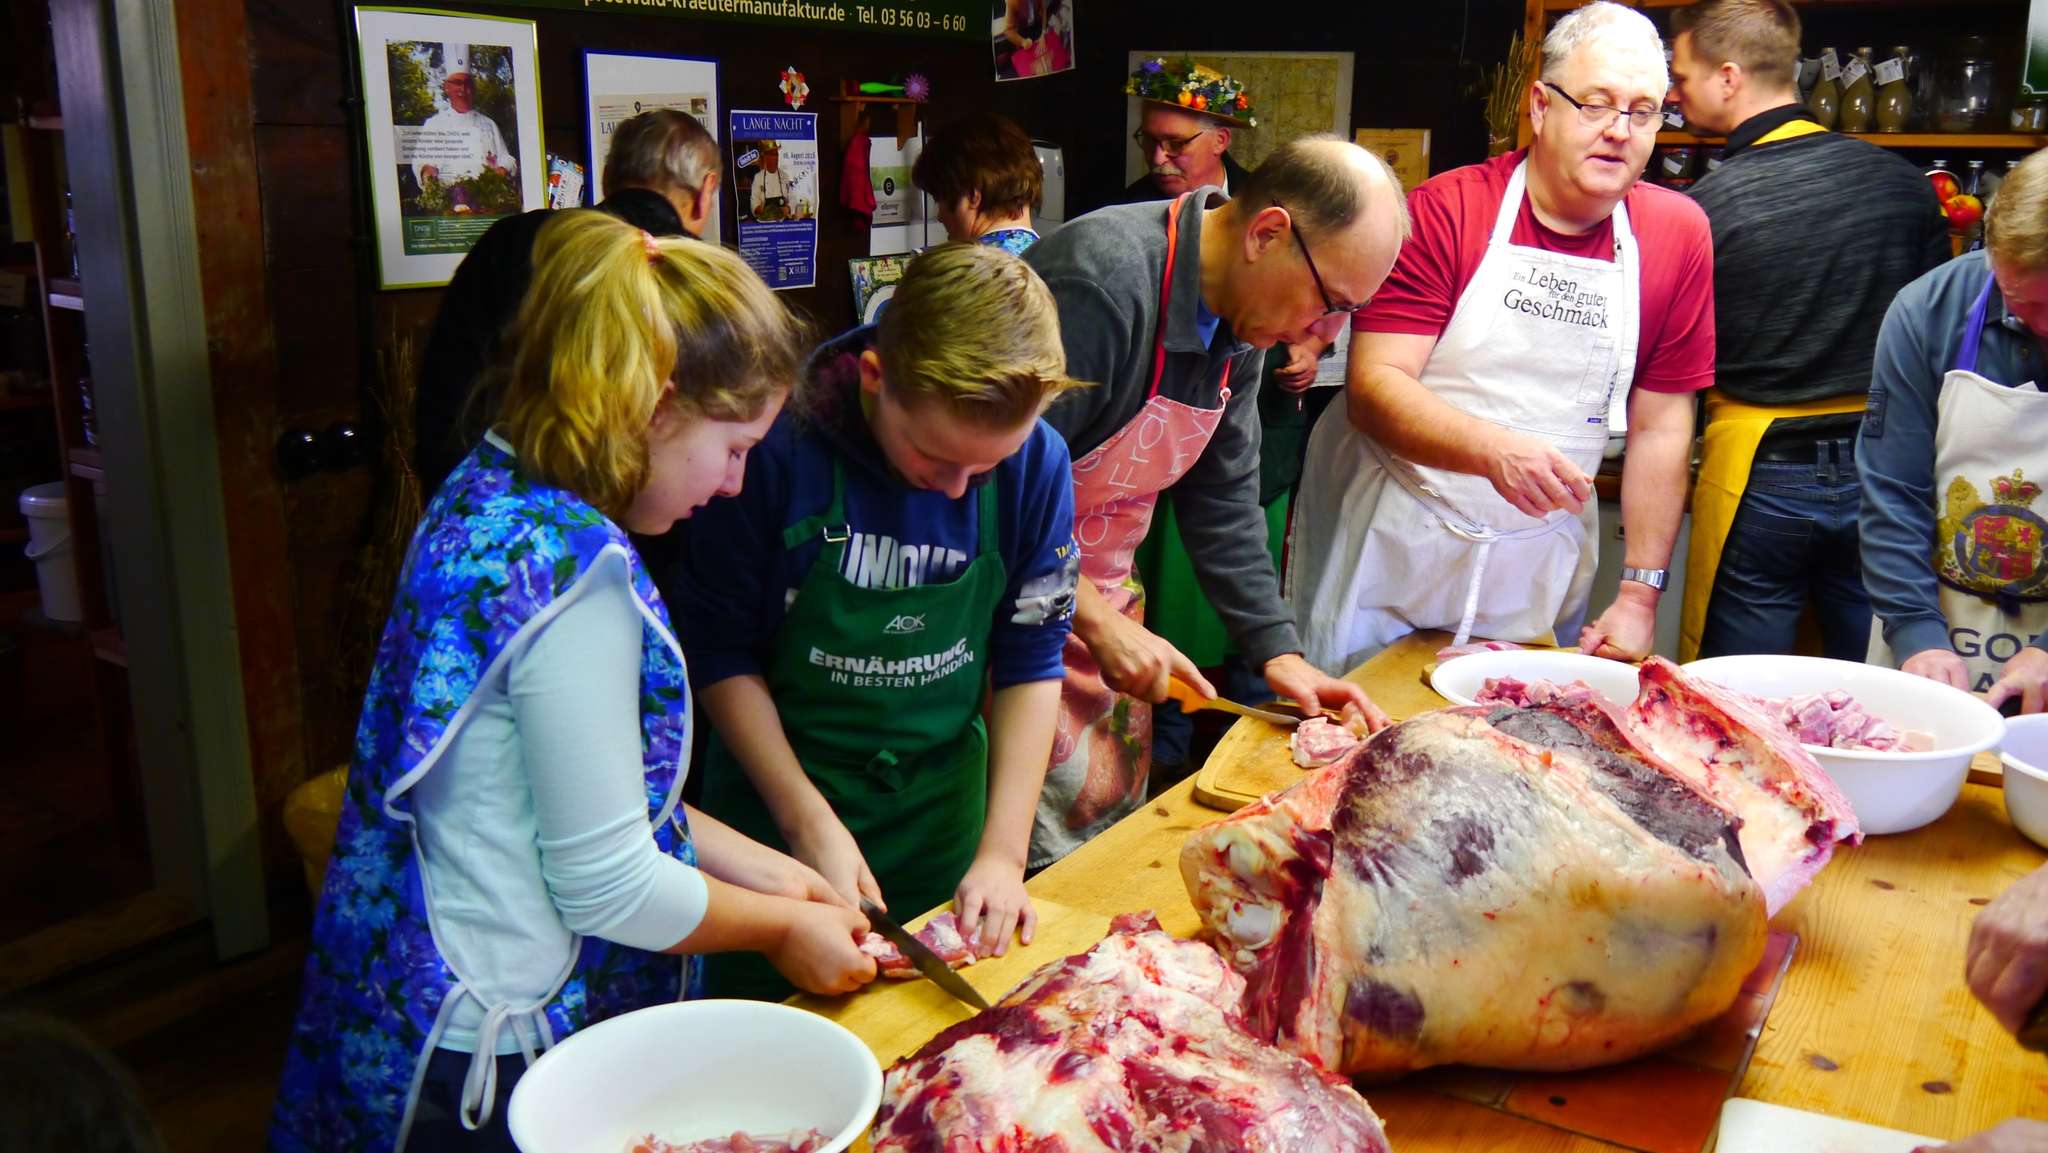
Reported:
(1656, 578)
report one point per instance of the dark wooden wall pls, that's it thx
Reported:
(327, 324)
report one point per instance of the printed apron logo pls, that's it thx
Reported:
(1545, 295)
(896, 673)
(903, 625)
(1996, 547)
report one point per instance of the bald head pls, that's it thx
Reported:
(1323, 220)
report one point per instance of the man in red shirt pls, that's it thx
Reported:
(1453, 489)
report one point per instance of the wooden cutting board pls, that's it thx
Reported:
(896, 1017)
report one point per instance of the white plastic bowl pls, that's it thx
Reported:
(696, 1069)
(1891, 792)
(1461, 679)
(2025, 758)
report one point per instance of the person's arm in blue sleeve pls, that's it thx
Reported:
(727, 579)
(1895, 459)
(1037, 611)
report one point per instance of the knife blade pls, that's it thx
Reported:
(920, 954)
(1180, 690)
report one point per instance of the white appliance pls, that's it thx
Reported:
(1052, 206)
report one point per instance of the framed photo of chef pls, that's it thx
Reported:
(620, 85)
(451, 114)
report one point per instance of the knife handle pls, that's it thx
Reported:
(2033, 1034)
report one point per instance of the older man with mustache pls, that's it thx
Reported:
(1186, 146)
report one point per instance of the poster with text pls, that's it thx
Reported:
(451, 112)
(775, 191)
(1031, 37)
(621, 85)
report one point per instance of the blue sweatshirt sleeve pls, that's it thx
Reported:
(1895, 459)
(1038, 550)
(731, 573)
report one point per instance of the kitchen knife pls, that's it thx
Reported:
(920, 955)
(2033, 1033)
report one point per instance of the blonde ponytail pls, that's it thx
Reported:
(611, 317)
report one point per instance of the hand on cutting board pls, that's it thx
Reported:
(2007, 962)
(1134, 659)
(826, 846)
(1627, 630)
(1939, 665)
(991, 903)
(1292, 678)
(820, 950)
(2016, 1136)
(2024, 676)
(1535, 477)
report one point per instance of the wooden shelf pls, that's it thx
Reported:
(18, 401)
(13, 533)
(1959, 141)
(67, 294)
(46, 123)
(85, 463)
(109, 646)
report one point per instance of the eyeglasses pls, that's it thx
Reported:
(1601, 116)
(1330, 307)
(1173, 145)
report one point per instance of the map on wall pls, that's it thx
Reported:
(1293, 94)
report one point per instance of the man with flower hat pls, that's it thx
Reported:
(1184, 133)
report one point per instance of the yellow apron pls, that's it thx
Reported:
(1727, 452)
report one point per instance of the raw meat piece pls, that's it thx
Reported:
(1524, 694)
(1521, 888)
(1133, 1046)
(1837, 720)
(795, 1141)
(941, 935)
(1452, 652)
(1792, 814)
(1318, 741)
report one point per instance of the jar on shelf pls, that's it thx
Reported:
(1969, 89)
(1859, 95)
(88, 424)
(1674, 166)
(1894, 91)
(2030, 114)
(1807, 74)
(1713, 161)
(1826, 101)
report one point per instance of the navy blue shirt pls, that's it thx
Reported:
(735, 580)
(1895, 453)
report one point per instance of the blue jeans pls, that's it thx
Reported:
(1793, 541)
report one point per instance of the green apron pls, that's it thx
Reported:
(879, 692)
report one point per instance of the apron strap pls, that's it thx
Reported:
(1165, 294)
(1973, 329)
(830, 524)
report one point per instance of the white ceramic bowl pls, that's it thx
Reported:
(1891, 792)
(695, 1069)
(2025, 758)
(1460, 679)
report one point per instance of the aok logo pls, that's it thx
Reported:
(903, 625)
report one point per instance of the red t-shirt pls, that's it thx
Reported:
(1454, 215)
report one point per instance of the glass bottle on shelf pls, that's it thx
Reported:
(2030, 114)
(1973, 179)
(1826, 101)
(70, 234)
(88, 425)
(1859, 97)
(1968, 89)
(1989, 186)
(1894, 95)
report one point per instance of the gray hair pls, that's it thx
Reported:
(1315, 178)
(660, 149)
(1597, 21)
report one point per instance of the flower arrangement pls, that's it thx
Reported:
(1193, 87)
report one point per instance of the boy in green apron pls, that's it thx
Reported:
(902, 553)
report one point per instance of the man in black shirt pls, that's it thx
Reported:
(1814, 232)
(660, 173)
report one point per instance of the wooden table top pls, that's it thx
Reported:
(1873, 1024)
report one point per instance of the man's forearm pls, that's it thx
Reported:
(1654, 481)
(1402, 414)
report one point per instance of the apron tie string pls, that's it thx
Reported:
(1472, 593)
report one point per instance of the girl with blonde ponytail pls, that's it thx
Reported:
(513, 861)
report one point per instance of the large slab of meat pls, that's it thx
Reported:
(1133, 1046)
(1532, 888)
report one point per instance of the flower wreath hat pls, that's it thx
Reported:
(1197, 89)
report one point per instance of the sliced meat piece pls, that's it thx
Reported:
(1522, 694)
(1132, 1046)
(795, 1141)
(941, 935)
(1319, 741)
(1792, 814)
(1522, 888)
(1452, 652)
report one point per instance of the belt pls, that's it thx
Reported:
(1840, 451)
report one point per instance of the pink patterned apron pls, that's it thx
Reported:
(1102, 747)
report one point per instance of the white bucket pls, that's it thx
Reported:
(49, 545)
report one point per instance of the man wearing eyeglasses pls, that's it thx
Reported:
(1185, 141)
(1454, 489)
(1166, 306)
(463, 125)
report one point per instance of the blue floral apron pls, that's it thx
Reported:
(495, 551)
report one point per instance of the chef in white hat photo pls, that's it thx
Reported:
(482, 146)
